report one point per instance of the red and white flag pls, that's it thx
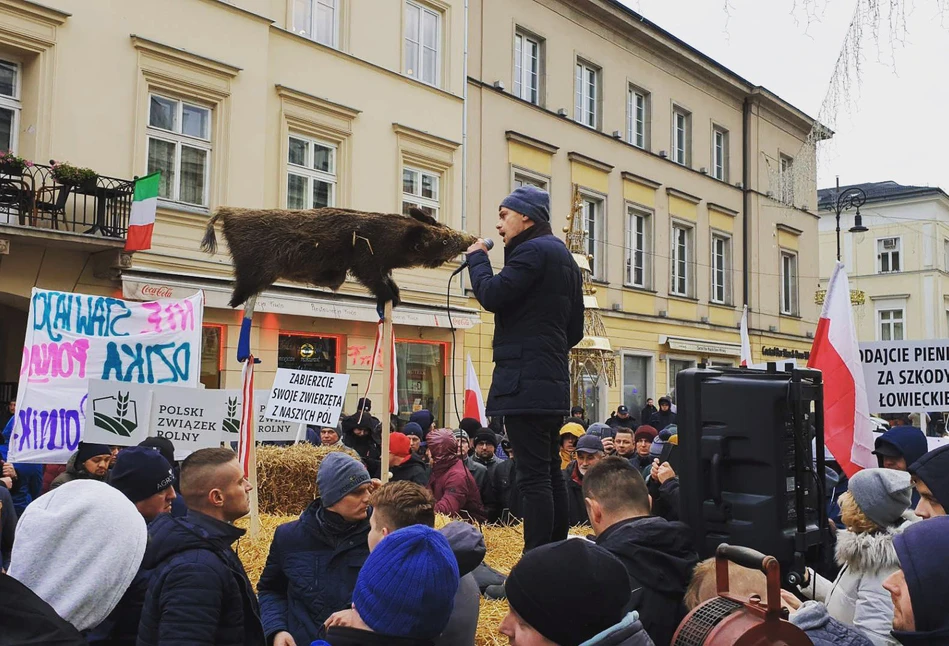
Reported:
(474, 402)
(847, 427)
(746, 361)
(245, 441)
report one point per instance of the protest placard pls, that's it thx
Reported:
(117, 414)
(265, 429)
(307, 397)
(71, 338)
(191, 418)
(903, 376)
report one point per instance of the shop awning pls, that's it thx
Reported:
(701, 346)
(298, 301)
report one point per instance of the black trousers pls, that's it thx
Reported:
(536, 443)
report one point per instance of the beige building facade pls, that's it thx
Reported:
(900, 265)
(694, 180)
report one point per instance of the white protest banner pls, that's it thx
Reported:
(71, 338)
(190, 417)
(308, 397)
(118, 413)
(266, 430)
(904, 376)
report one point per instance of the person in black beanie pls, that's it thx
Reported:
(90, 461)
(537, 300)
(146, 478)
(167, 449)
(543, 590)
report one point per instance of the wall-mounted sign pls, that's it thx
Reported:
(785, 353)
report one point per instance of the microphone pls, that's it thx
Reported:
(489, 243)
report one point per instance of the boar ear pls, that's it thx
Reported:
(422, 216)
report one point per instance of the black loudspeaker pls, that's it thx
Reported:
(748, 476)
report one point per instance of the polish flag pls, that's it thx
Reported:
(746, 361)
(474, 402)
(847, 427)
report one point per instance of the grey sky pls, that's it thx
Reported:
(899, 130)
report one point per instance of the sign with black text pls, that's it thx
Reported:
(307, 397)
(191, 418)
(903, 376)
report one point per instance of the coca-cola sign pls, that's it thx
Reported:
(156, 291)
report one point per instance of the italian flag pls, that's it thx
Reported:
(142, 218)
(847, 428)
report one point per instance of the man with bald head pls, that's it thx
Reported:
(199, 592)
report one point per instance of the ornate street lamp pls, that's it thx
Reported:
(852, 198)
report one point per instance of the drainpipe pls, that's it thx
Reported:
(746, 199)
(464, 140)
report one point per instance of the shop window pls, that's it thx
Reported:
(316, 352)
(212, 356)
(635, 383)
(675, 367)
(421, 378)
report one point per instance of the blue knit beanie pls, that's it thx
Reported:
(140, 472)
(412, 428)
(338, 476)
(530, 201)
(407, 586)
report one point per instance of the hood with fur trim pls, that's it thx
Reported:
(869, 553)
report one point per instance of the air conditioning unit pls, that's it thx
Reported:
(889, 244)
(703, 170)
(617, 307)
(772, 328)
(562, 112)
(617, 134)
(663, 313)
(663, 154)
(499, 85)
(703, 319)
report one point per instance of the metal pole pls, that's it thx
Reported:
(837, 209)
(387, 385)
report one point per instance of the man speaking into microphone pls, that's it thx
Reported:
(537, 300)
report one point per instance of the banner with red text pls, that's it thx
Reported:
(71, 338)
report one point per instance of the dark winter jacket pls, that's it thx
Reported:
(576, 509)
(487, 487)
(455, 490)
(343, 636)
(8, 518)
(628, 632)
(646, 413)
(478, 471)
(924, 560)
(75, 472)
(661, 419)
(413, 470)
(659, 559)
(665, 498)
(311, 572)
(641, 462)
(365, 446)
(27, 620)
(506, 506)
(933, 470)
(198, 592)
(28, 485)
(537, 300)
(618, 422)
(812, 617)
(467, 544)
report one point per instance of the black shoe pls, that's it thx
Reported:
(495, 592)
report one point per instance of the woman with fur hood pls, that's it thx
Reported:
(874, 510)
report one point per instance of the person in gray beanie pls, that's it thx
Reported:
(874, 509)
(313, 562)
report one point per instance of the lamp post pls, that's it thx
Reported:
(852, 198)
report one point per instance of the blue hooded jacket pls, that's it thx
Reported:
(910, 442)
(29, 476)
(933, 470)
(923, 551)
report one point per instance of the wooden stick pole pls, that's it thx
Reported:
(254, 508)
(387, 385)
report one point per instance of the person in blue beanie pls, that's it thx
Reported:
(920, 587)
(931, 479)
(537, 300)
(404, 595)
(900, 447)
(425, 421)
(313, 562)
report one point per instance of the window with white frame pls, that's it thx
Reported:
(945, 253)
(422, 42)
(681, 136)
(527, 59)
(587, 95)
(524, 178)
(786, 179)
(888, 255)
(891, 324)
(637, 117)
(720, 153)
(681, 284)
(10, 106)
(594, 229)
(179, 146)
(317, 20)
(675, 367)
(789, 282)
(638, 247)
(420, 190)
(721, 269)
(311, 173)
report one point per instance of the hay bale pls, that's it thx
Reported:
(286, 476)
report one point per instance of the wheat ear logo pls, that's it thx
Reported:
(232, 423)
(116, 414)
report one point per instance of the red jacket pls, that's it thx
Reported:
(455, 490)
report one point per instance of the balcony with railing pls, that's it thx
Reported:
(36, 201)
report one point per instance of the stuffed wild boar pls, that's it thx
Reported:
(320, 246)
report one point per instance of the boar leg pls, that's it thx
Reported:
(381, 285)
(246, 286)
